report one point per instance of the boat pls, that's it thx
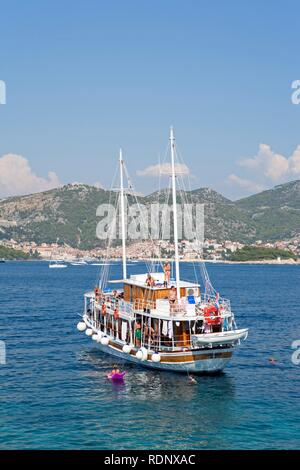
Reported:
(57, 264)
(79, 263)
(168, 324)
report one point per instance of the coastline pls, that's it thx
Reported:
(289, 262)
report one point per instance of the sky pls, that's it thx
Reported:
(84, 78)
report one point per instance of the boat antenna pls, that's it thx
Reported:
(123, 216)
(177, 273)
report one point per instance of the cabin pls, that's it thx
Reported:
(138, 293)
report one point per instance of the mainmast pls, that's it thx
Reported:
(123, 216)
(177, 273)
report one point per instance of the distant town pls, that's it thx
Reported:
(211, 250)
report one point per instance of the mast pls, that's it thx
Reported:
(123, 216)
(177, 273)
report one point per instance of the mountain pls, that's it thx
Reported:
(276, 212)
(68, 214)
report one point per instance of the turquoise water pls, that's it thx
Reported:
(54, 393)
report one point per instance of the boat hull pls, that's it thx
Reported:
(207, 361)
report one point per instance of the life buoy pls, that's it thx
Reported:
(103, 309)
(116, 314)
(212, 316)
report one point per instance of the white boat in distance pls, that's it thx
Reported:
(157, 322)
(57, 264)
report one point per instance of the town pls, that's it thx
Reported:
(210, 250)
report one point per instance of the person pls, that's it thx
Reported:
(167, 273)
(97, 293)
(150, 281)
(138, 334)
(115, 370)
(272, 361)
(172, 298)
(192, 380)
(149, 333)
(114, 299)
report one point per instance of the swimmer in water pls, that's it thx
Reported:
(192, 380)
(272, 360)
(115, 370)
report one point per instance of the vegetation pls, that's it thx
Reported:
(67, 215)
(10, 253)
(253, 253)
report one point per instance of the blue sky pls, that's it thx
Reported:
(86, 77)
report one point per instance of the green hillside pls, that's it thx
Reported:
(276, 212)
(68, 214)
(11, 254)
(253, 253)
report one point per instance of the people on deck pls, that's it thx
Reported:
(172, 298)
(150, 282)
(138, 334)
(149, 334)
(97, 292)
(167, 273)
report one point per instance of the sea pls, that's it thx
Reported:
(54, 393)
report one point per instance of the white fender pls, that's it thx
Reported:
(145, 353)
(139, 354)
(156, 357)
(99, 336)
(104, 341)
(126, 348)
(81, 326)
(95, 337)
(89, 331)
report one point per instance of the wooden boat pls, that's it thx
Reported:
(167, 325)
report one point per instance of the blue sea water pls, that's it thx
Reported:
(54, 393)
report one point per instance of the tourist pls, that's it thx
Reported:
(167, 273)
(192, 380)
(115, 370)
(172, 298)
(138, 334)
(150, 282)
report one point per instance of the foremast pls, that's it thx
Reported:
(122, 215)
(175, 229)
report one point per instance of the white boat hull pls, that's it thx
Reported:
(60, 266)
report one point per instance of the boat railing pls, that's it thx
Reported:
(143, 305)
